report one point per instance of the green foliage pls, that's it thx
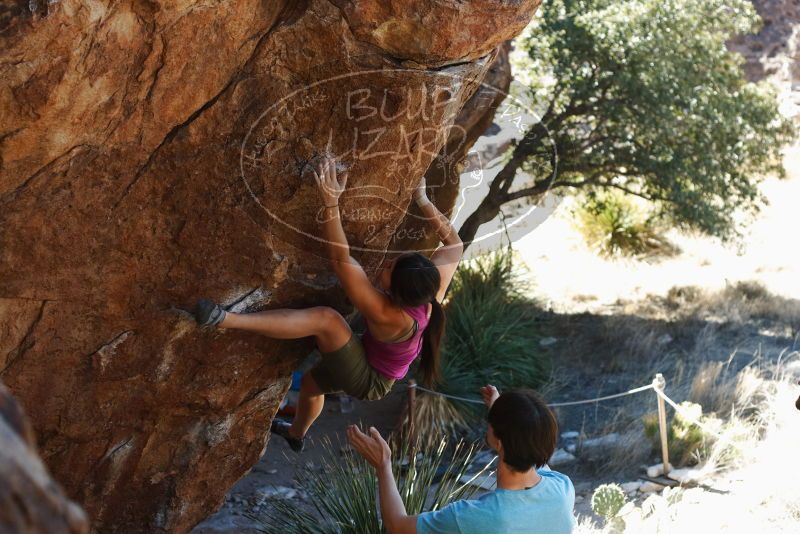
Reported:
(643, 96)
(613, 224)
(491, 337)
(608, 500)
(344, 491)
(687, 441)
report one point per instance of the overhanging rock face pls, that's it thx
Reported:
(151, 154)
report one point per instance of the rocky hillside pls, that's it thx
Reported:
(155, 152)
(773, 52)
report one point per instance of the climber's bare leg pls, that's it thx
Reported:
(328, 327)
(325, 324)
(309, 406)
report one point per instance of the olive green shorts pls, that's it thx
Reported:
(347, 370)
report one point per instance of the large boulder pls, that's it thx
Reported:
(773, 51)
(443, 176)
(153, 153)
(30, 501)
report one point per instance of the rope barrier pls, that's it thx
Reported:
(440, 394)
(552, 405)
(657, 386)
(606, 397)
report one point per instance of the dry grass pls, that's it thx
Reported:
(713, 348)
(740, 303)
(752, 460)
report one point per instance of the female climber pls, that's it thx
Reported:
(404, 317)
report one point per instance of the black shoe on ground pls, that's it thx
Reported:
(281, 428)
(207, 313)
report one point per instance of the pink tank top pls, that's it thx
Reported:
(392, 360)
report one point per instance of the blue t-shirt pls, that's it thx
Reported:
(545, 508)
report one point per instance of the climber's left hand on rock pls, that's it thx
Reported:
(330, 185)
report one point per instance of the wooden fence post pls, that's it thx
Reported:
(658, 385)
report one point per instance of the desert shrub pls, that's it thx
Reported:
(683, 296)
(747, 300)
(343, 491)
(739, 302)
(614, 225)
(687, 441)
(492, 337)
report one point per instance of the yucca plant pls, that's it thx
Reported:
(343, 493)
(492, 336)
(614, 225)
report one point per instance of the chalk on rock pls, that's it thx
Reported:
(561, 457)
(570, 435)
(547, 341)
(247, 300)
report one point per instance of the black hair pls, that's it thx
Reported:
(416, 281)
(526, 427)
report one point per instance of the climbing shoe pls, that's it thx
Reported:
(207, 313)
(281, 428)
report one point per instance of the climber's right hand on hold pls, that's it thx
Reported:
(331, 186)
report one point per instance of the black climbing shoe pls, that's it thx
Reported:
(207, 313)
(281, 428)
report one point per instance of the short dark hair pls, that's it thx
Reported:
(527, 428)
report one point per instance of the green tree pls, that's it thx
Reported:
(643, 96)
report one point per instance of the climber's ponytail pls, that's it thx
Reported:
(415, 281)
(431, 341)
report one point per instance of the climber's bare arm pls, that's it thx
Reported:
(377, 453)
(447, 256)
(369, 301)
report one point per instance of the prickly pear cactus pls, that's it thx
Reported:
(608, 500)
